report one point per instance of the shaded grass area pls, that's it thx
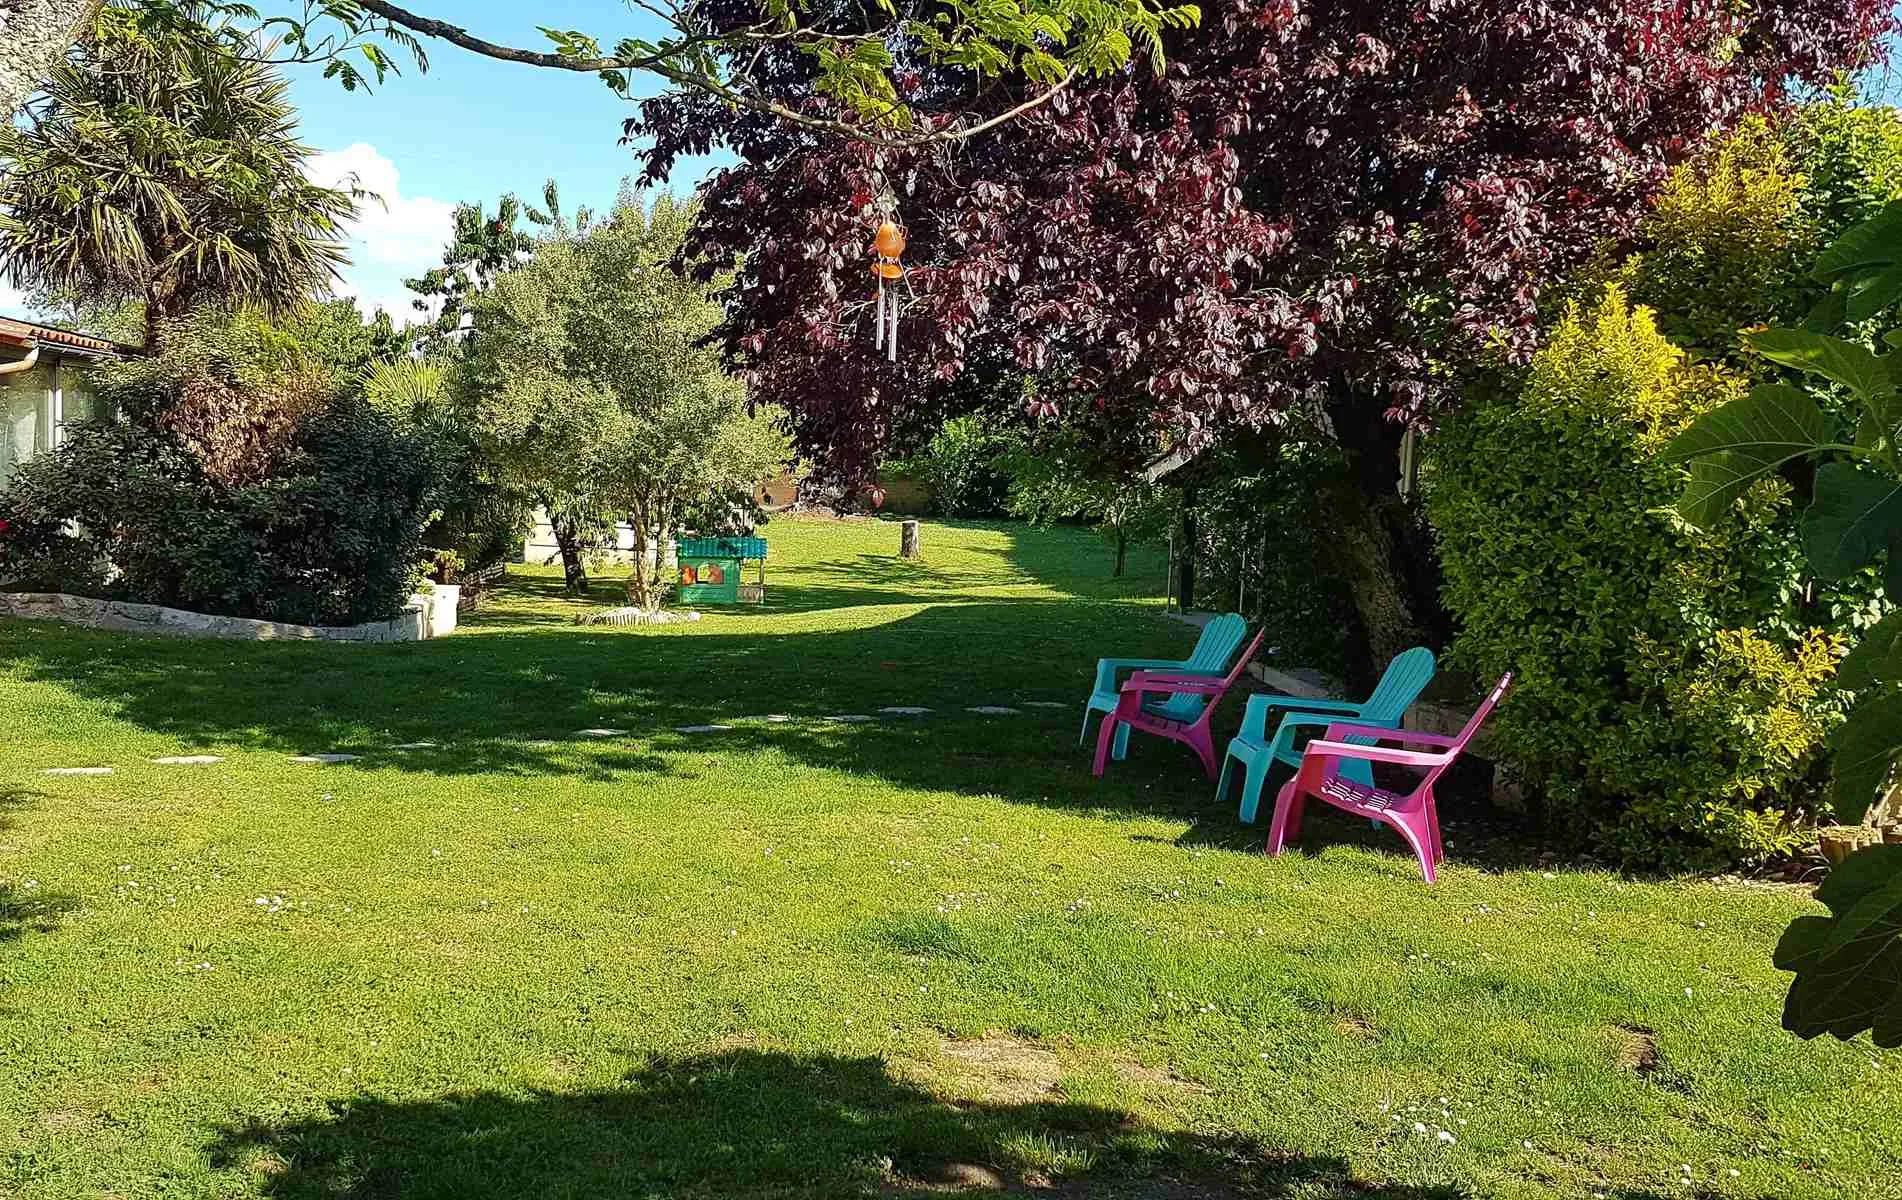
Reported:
(754, 963)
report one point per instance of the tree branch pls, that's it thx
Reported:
(659, 64)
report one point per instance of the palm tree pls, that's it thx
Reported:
(160, 167)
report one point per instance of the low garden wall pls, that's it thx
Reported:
(411, 625)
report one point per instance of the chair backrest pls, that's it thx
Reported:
(1188, 707)
(1218, 641)
(1405, 678)
(1472, 727)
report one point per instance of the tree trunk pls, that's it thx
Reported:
(1376, 542)
(640, 591)
(34, 36)
(568, 538)
(1122, 552)
(1185, 561)
(908, 540)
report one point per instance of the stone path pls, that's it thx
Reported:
(331, 758)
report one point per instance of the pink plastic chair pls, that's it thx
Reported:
(1152, 717)
(1414, 814)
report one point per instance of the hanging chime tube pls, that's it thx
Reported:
(878, 322)
(891, 342)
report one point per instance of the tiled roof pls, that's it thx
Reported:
(27, 334)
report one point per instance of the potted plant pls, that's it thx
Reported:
(440, 573)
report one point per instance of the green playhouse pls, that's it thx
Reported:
(710, 570)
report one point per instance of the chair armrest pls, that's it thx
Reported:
(1255, 715)
(1107, 668)
(1323, 748)
(1284, 732)
(1405, 737)
(1152, 681)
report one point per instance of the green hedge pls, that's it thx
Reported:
(1665, 709)
(238, 477)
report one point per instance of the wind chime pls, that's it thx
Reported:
(887, 245)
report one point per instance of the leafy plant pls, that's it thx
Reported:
(587, 379)
(962, 464)
(1848, 965)
(1663, 712)
(1846, 974)
(128, 512)
(164, 167)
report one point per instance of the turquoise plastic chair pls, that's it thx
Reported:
(1405, 678)
(1220, 639)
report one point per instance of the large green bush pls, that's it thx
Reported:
(235, 479)
(962, 465)
(1729, 241)
(1668, 706)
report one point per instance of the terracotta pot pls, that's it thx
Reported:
(1839, 842)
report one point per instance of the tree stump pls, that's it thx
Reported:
(908, 540)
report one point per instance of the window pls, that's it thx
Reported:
(26, 427)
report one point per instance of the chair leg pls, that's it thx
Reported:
(1221, 784)
(1432, 811)
(1251, 791)
(1084, 732)
(1198, 739)
(1286, 825)
(1413, 828)
(1122, 741)
(1106, 734)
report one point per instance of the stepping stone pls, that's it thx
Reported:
(701, 728)
(904, 710)
(994, 710)
(414, 746)
(600, 733)
(188, 760)
(323, 759)
(850, 718)
(77, 771)
(1045, 704)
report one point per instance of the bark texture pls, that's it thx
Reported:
(33, 36)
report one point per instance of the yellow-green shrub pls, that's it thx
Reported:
(1664, 709)
(1730, 240)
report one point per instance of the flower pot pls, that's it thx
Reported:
(443, 599)
(1840, 841)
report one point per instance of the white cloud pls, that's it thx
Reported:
(12, 302)
(393, 237)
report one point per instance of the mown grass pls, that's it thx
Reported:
(815, 959)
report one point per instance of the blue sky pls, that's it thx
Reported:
(470, 129)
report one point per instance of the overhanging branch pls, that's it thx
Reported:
(663, 65)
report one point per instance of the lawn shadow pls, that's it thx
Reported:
(511, 701)
(746, 1122)
(516, 701)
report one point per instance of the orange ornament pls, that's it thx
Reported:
(889, 241)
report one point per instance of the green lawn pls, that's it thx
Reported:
(821, 959)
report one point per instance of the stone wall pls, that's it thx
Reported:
(410, 626)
